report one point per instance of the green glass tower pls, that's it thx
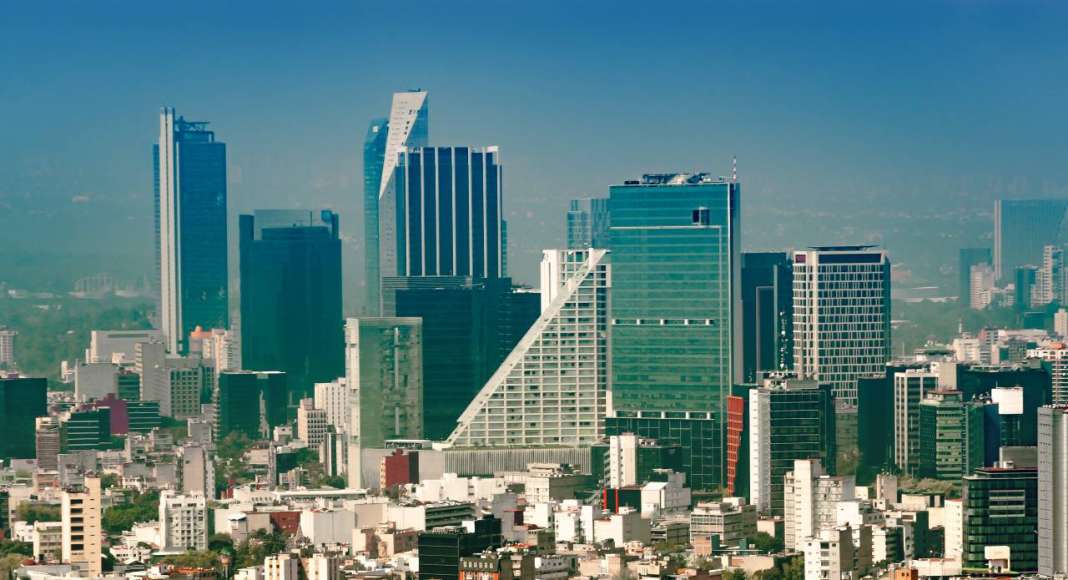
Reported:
(951, 435)
(1001, 509)
(675, 264)
(251, 403)
(22, 400)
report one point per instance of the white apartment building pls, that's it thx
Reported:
(197, 470)
(333, 398)
(48, 542)
(311, 423)
(281, 567)
(811, 501)
(983, 286)
(1052, 499)
(183, 522)
(552, 388)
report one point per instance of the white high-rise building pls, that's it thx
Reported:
(81, 512)
(910, 388)
(1052, 494)
(1055, 355)
(841, 316)
(1049, 279)
(830, 554)
(311, 423)
(552, 388)
(983, 285)
(183, 521)
(333, 397)
(810, 501)
(222, 351)
(1060, 323)
(7, 346)
(953, 525)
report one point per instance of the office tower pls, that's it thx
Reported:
(82, 533)
(22, 400)
(1031, 377)
(469, 328)
(105, 346)
(441, 549)
(332, 453)
(384, 370)
(333, 398)
(1022, 228)
(1023, 295)
(407, 126)
(48, 443)
(7, 347)
(876, 420)
(841, 326)
(292, 296)
(143, 415)
(196, 470)
(1049, 279)
(252, 403)
(1001, 509)
(675, 265)
(220, 350)
(117, 408)
(951, 435)
(632, 460)
(95, 381)
(183, 522)
(910, 388)
(128, 386)
(970, 257)
(190, 203)
(175, 382)
(551, 388)
(447, 219)
(1054, 359)
(291, 316)
(1052, 482)
(767, 314)
(587, 223)
(789, 419)
(86, 429)
(311, 423)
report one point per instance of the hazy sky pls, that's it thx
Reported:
(836, 107)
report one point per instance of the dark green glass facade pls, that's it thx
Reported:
(675, 263)
(143, 415)
(22, 400)
(1001, 509)
(87, 430)
(951, 436)
(291, 314)
(247, 401)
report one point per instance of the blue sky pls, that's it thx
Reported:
(833, 109)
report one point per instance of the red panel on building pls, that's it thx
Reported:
(735, 424)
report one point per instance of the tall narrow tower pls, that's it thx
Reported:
(190, 210)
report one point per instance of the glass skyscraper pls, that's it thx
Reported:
(587, 223)
(291, 313)
(22, 400)
(1022, 228)
(408, 126)
(675, 265)
(767, 314)
(190, 220)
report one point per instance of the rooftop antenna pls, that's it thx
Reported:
(734, 169)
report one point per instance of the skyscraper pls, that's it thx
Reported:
(951, 430)
(408, 126)
(1052, 482)
(675, 267)
(250, 402)
(291, 314)
(551, 388)
(1001, 509)
(384, 372)
(1022, 227)
(841, 326)
(190, 204)
(910, 388)
(789, 419)
(767, 314)
(447, 219)
(81, 514)
(587, 223)
(22, 400)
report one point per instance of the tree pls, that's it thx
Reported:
(765, 543)
(37, 512)
(109, 480)
(201, 559)
(142, 507)
(220, 542)
(12, 547)
(9, 563)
